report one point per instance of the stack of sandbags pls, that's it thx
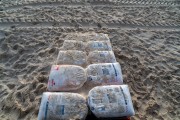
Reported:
(110, 101)
(62, 106)
(87, 64)
(84, 53)
(66, 78)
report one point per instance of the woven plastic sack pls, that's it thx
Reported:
(110, 101)
(101, 57)
(74, 45)
(104, 74)
(72, 57)
(62, 106)
(66, 78)
(98, 45)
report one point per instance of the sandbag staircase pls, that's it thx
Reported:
(86, 81)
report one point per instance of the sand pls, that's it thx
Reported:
(144, 37)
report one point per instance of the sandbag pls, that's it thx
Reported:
(73, 45)
(101, 57)
(104, 74)
(72, 57)
(110, 101)
(66, 78)
(62, 106)
(98, 45)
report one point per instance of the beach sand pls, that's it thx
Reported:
(145, 40)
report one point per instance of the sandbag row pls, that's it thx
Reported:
(86, 46)
(72, 77)
(85, 37)
(103, 101)
(88, 65)
(74, 57)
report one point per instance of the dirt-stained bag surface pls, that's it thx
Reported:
(110, 101)
(66, 78)
(62, 106)
(72, 57)
(98, 45)
(104, 74)
(74, 45)
(101, 57)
